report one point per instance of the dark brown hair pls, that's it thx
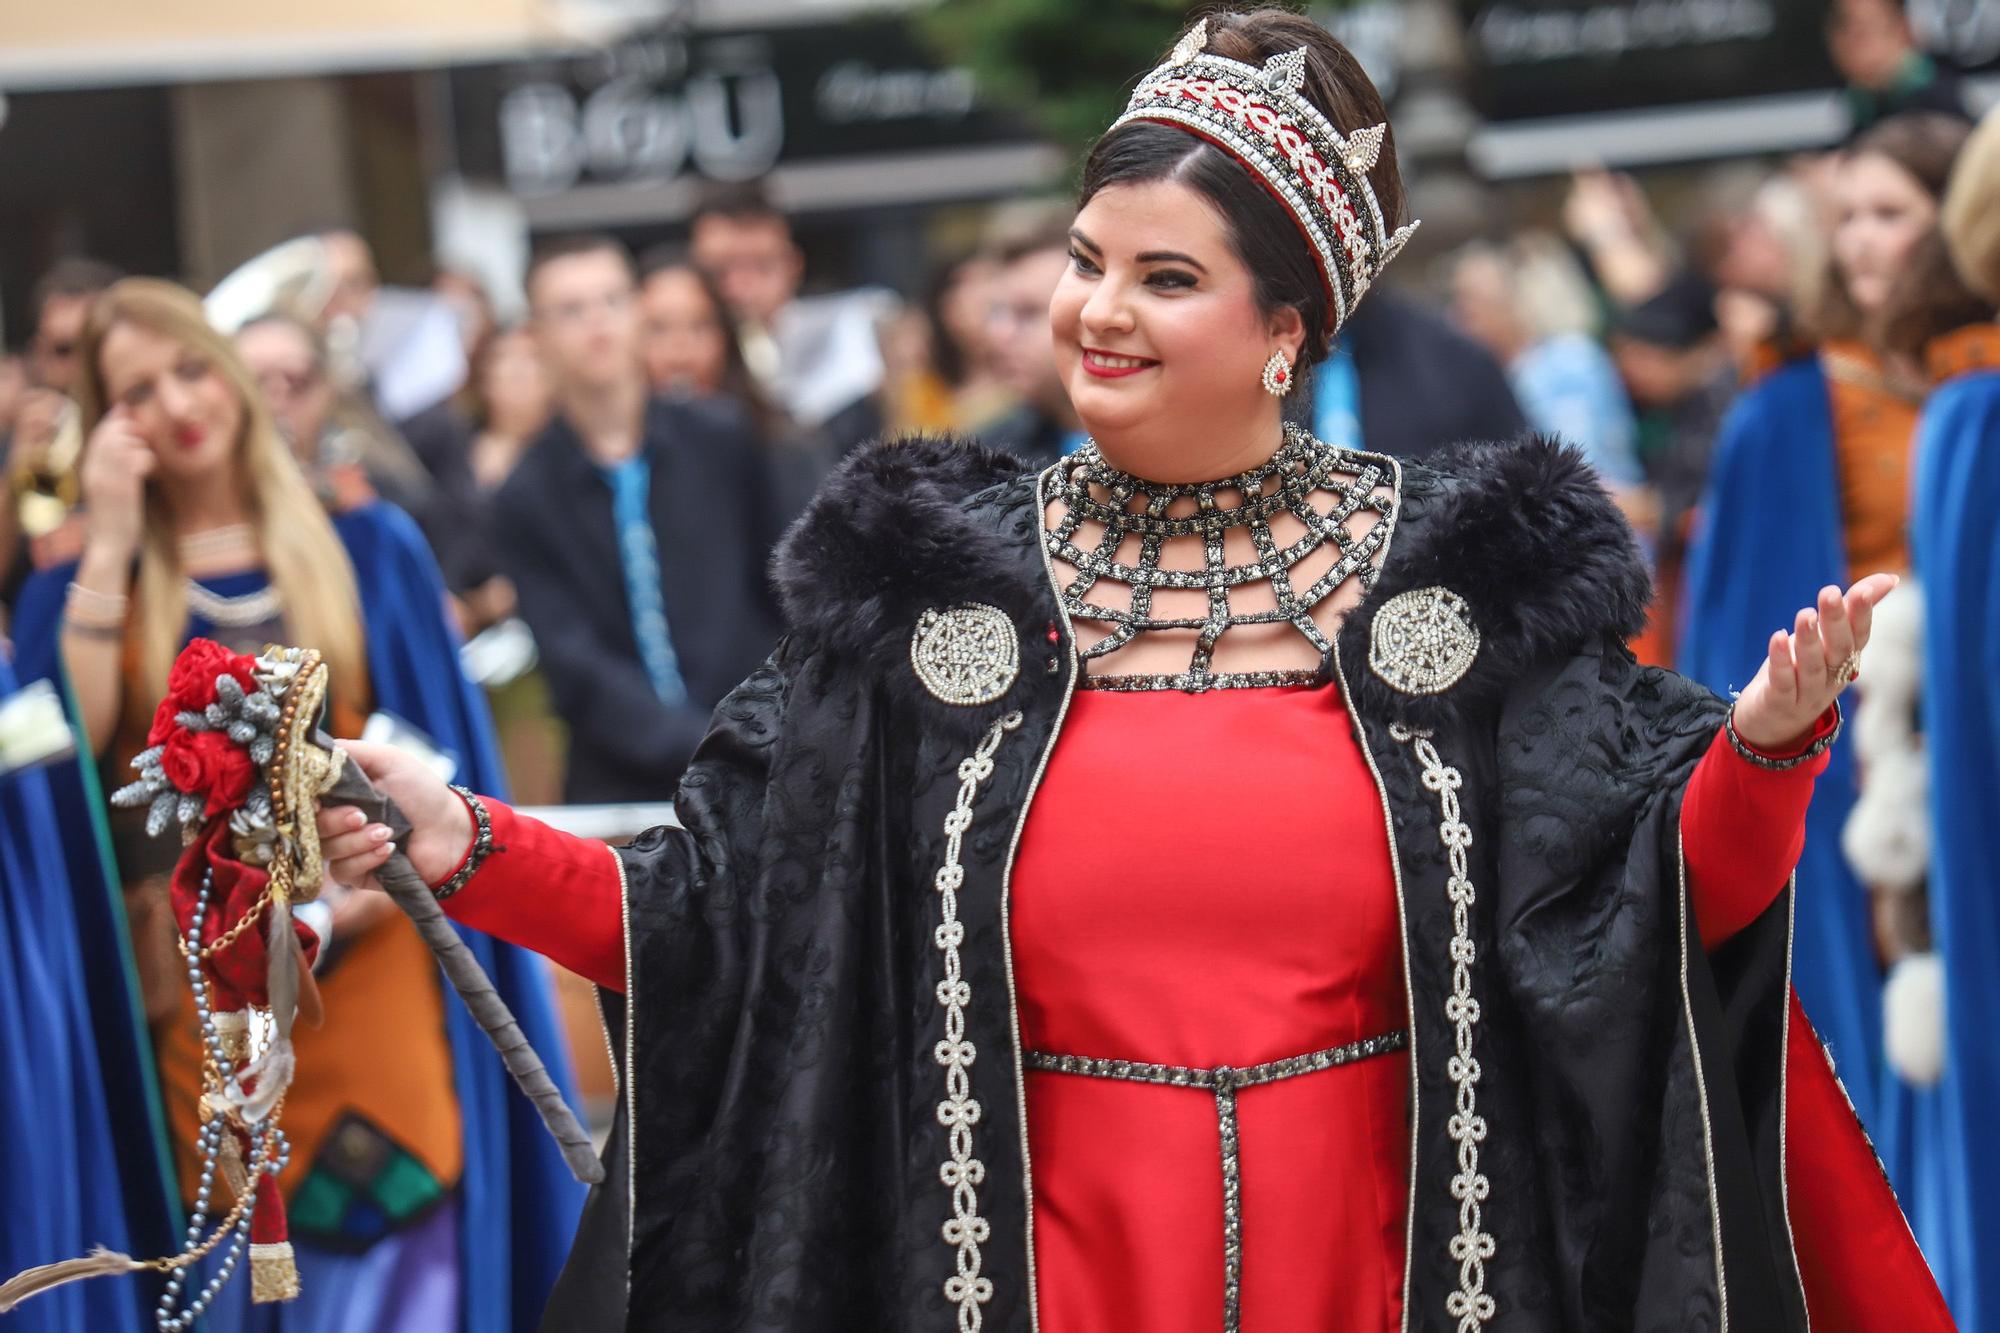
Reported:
(1261, 232)
(568, 247)
(737, 382)
(73, 277)
(1924, 144)
(738, 201)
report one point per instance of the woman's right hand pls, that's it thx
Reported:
(441, 827)
(116, 462)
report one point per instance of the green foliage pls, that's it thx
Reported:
(1070, 63)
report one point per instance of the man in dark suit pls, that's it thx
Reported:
(635, 531)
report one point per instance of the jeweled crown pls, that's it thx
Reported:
(1262, 118)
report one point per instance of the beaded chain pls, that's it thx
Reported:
(1286, 484)
(270, 1154)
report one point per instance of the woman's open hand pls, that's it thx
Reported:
(1806, 669)
(441, 827)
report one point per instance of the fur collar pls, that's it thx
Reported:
(892, 534)
(1525, 533)
(1522, 531)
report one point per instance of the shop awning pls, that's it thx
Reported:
(52, 44)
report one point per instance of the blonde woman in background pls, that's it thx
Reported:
(201, 523)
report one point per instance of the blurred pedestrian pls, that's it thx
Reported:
(1032, 253)
(1677, 372)
(44, 436)
(1874, 46)
(348, 463)
(1413, 382)
(941, 378)
(1946, 959)
(1810, 485)
(14, 386)
(62, 300)
(694, 350)
(818, 358)
(959, 302)
(413, 1201)
(510, 403)
(513, 400)
(1608, 218)
(67, 1103)
(636, 535)
(1526, 303)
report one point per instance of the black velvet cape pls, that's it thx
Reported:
(776, 1164)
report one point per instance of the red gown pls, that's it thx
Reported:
(1205, 879)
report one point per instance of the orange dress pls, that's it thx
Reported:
(1874, 427)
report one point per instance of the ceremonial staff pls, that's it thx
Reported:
(236, 760)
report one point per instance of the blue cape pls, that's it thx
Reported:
(59, 1180)
(1955, 525)
(518, 1202)
(1768, 539)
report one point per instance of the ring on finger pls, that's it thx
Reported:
(1848, 670)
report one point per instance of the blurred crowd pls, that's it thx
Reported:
(596, 488)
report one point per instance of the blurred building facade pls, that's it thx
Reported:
(185, 138)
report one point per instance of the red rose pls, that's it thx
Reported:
(184, 763)
(163, 723)
(191, 686)
(228, 769)
(199, 762)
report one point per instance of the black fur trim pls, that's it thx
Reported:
(1525, 533)
(890, 535)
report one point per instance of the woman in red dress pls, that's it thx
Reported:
(1224, 882)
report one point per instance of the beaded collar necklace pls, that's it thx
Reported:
(1286, 484)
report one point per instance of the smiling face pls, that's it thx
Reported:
(1881, 212)
(179, 402)
(1160, 339)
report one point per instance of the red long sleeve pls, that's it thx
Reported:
(1742, 829)
(551, 892)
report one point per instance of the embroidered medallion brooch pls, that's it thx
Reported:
(966, 655)
(1423, 641)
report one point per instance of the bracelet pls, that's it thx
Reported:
(1765, 761)
(108, 633)
(482, 845)
(87, 609)
(109, 603)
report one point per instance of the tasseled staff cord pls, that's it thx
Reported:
(254, 813)
(101, 1262)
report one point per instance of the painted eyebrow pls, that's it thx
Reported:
(1149, 257)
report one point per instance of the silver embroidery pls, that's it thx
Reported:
(1224, 1082)
(1263, 118)
(963, 1173)
(1472, 1247)
(1132, 509)
(967, 655)
(1423, 641)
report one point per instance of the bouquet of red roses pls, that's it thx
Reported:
(230, 763)
(236, 762)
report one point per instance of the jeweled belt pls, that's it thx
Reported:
(1225, 1081)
